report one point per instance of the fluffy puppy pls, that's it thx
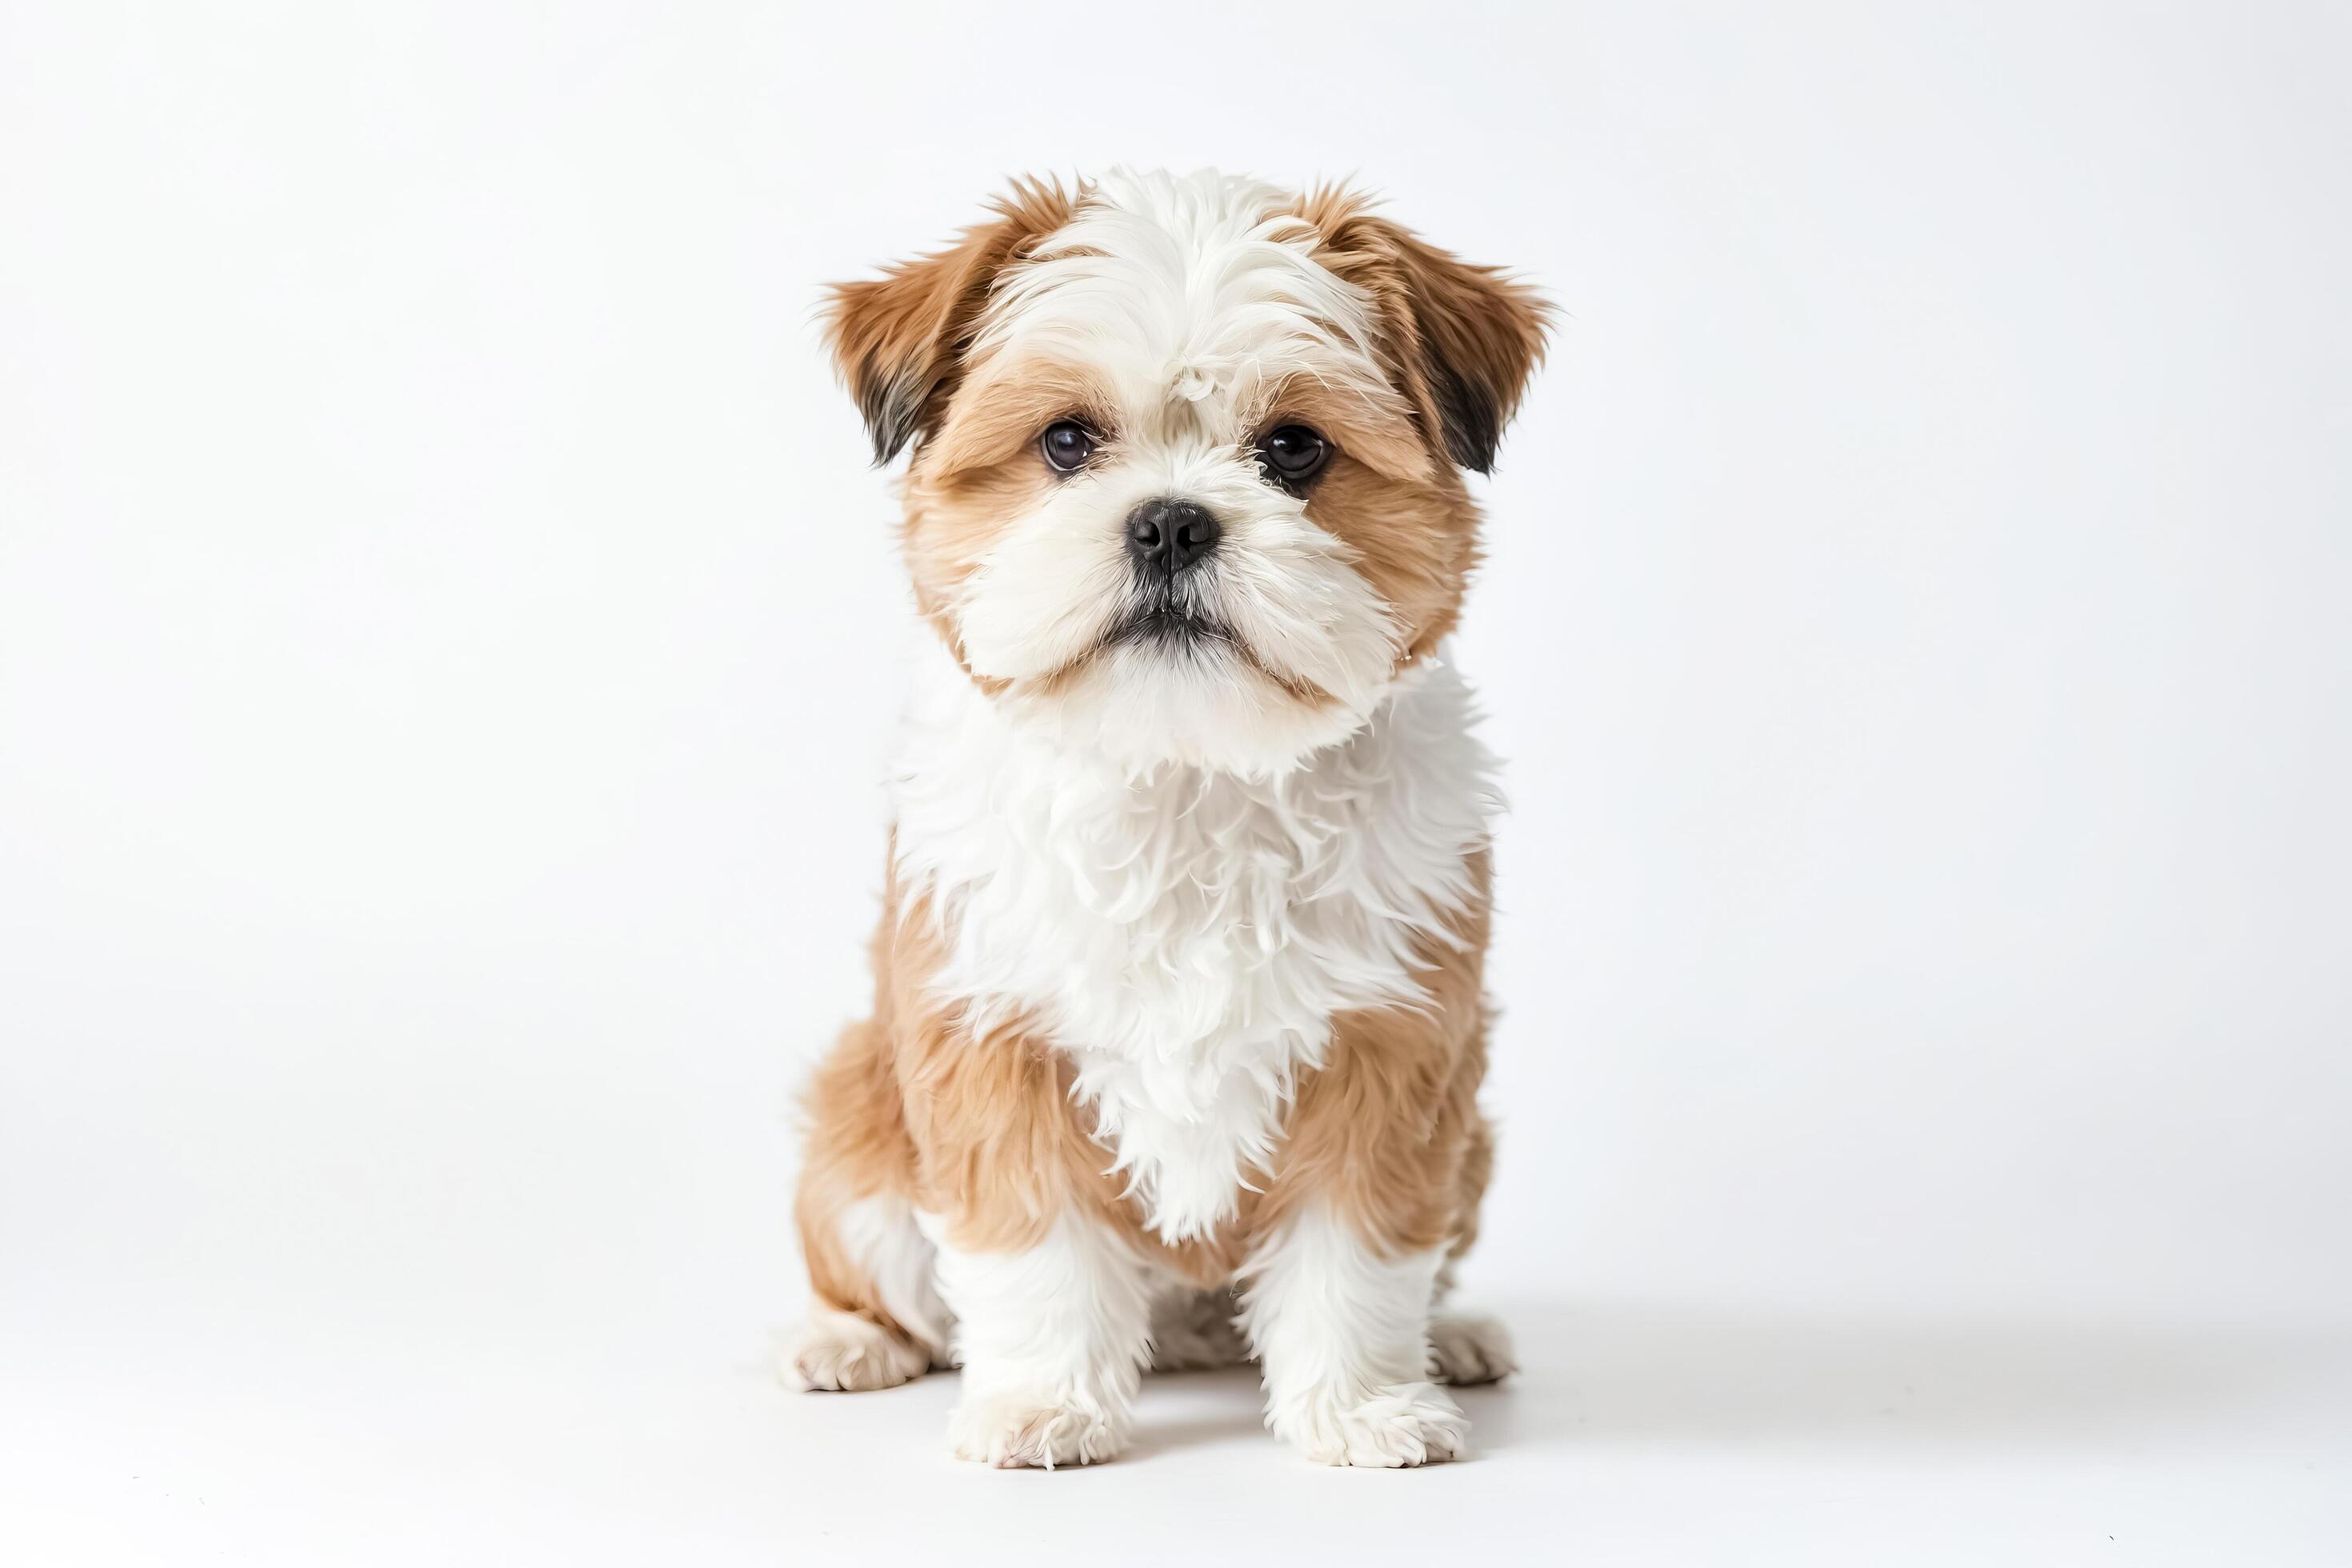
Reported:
(1177, 1023)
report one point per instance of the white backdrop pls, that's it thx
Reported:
(443, 616)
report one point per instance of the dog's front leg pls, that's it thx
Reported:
(1053, 1337)
(1343, 1330)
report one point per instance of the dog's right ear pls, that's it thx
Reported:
(898, 340)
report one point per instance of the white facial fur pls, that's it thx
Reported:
(1191, 307)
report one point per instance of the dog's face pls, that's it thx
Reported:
(1185, 478)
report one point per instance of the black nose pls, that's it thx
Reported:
(1165, 536)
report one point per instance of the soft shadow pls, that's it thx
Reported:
(1207, 1407)
(1613, 1371)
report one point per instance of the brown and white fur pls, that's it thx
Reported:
(1178, 1023)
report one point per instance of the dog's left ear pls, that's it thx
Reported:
(1464, 339)
(898, 340)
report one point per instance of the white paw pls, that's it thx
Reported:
(1015, 1431)
(841, 1350)
(1401, 1424)
(1466, 1350)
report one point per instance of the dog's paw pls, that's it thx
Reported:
(1466, 1349)
(839, 1351)
(1403, 1425)
(1018, 1431)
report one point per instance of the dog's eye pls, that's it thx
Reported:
(1066, 445)
(1292, 455)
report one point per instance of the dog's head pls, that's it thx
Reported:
(1186, 483)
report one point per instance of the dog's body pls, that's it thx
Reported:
(1178, 978)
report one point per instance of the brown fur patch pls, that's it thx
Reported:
(1461, 340)
(1386, 1133)
(1005, 407)
(1382, 439)
(857, 1148)
(899, 340)
(1416, 543)
(950, 521)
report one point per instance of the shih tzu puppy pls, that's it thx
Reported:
(1178, 1023)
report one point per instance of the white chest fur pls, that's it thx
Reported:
(1185, 936)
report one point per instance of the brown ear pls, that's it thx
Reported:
(1464, 339)
(898, 340)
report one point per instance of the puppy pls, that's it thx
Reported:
(1178, 1025)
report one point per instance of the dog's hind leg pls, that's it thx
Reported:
(876, 1318)
(1468, 1347)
